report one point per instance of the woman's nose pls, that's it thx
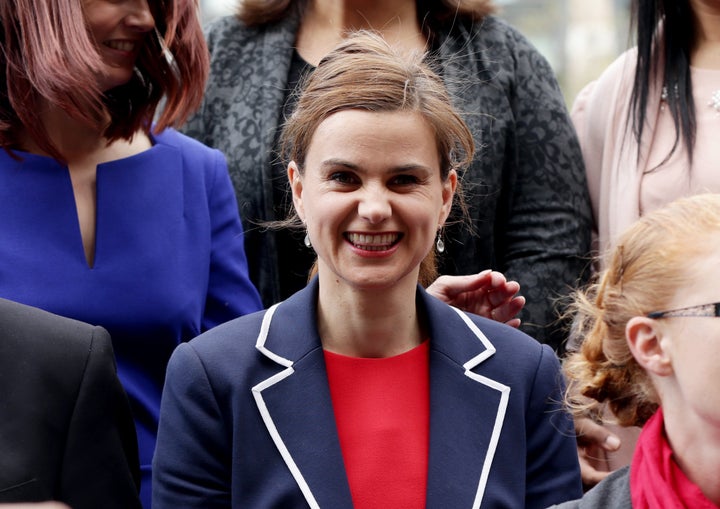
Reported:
(374, 206)
(140, 18)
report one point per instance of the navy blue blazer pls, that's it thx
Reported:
(247, 421)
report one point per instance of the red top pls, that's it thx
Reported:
(382, 412)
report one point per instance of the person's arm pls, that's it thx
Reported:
(590, 130)
(191, 465)
(230, 292)
(100, 466)
(553, 473)
(487, 294)
(546, 237)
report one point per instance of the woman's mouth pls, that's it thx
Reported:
(126, 46)
(373, 241)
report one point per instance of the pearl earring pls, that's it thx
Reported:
(307, 241)
(440, 244)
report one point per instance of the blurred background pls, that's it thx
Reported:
(579, 37)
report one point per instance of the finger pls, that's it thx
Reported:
(589, 474)
(508, 310)
(502, 294)
(515, 323)
(452, 286)
(591, 432)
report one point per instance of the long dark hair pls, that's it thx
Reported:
(665, 35)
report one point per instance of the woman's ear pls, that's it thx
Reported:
(295, 179)
(449, 187)
(645, 340)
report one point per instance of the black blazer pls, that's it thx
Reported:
(66, 432)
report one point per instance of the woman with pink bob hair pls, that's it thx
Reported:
(109, 218)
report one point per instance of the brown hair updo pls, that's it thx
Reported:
(365, 73)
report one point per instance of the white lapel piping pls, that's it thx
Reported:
(267, 419)
(262, 337)
(504, 397)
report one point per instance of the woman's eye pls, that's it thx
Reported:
(404, 180)
(342, 177)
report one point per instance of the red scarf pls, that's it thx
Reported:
(656, 481)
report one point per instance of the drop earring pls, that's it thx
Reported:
(440, 244)
(307, 241)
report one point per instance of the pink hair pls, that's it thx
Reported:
(49, 56)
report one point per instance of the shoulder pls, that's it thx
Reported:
(613, 86)
(462, 334)
(492, 29)
(28, 330)
(44, 352)
(226, 345)
(230, 38)
(229, 29)
(510, 341)
(495, 52)
(196, 157)
(613, 491)
(601, 108)
(532, 369)
(189, 146)
(492, 37)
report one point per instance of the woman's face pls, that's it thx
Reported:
(119, 28)
(371, 196)
(693, 344)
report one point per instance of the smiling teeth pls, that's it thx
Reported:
(372, 242)
(121, 45)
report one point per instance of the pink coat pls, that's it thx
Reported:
(610, 149)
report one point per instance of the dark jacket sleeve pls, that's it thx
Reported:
(66, 432)
(100, 461)
(527, 187)
(187, 472)
(553, 471)
(547, 234)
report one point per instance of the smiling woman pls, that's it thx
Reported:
(373, 198)
(112, 220)
(119, 29)
(324, 400)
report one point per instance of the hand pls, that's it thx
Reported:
(486, 294)
(593, 441)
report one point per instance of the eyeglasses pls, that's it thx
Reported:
(707, 310)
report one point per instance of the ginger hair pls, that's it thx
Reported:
(645, 270)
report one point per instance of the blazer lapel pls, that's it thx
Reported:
(295, 403)
(467, 410)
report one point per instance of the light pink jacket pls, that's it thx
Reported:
(609, 148)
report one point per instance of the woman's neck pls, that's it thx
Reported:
(368, 323)
(325, 22)
(696, 449)
(73, 139)
(79, 143)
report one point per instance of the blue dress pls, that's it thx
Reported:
(169, 257)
